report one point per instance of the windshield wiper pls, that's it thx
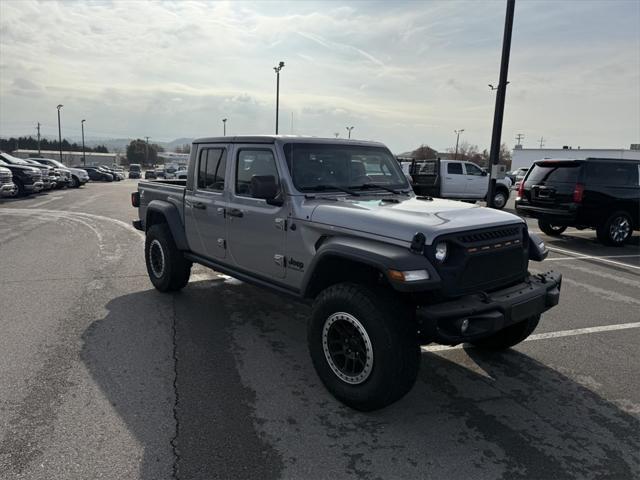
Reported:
(373, 186)
(324, 188)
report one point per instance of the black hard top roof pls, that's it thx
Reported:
(281, 139)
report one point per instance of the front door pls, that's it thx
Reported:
(205, 201)
(256, 230)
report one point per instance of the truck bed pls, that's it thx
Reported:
(171, 191)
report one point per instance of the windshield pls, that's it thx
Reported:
(322, 167)
(134, 168)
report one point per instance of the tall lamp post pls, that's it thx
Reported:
(457, 132)
(84, 158)
(494, 155)
(59, 131)
(277, 70)
(224, 127)
(349, 130)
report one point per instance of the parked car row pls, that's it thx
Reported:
(23, 176)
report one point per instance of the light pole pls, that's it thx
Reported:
(277, 70)
(349, 130)
(224, 127)
(457, 132)
(59, 131)
(84, 158)
(494, 155)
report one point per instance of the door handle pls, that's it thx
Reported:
(235, 212)
(199, 205)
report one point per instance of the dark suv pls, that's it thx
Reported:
(600, 193)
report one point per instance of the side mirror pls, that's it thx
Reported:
(484, 173)
(264, 187)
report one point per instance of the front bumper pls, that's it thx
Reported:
(8, 190)
(34, 187)
(489, 313)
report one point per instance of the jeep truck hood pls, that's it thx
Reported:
(404, 219)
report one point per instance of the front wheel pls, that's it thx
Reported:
(75, 182)
(551, 229)
(510, 336)
(616, 230)
(167, 268)
(363, 345)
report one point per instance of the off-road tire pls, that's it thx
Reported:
(168, 270)
(510, 336)
(609, 232)
(551, 229)
(395, 350)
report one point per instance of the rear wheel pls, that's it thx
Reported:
(510, 336)
(616, 230)
(363, 345)
(21, 190)
(167, 268)
(551, 229)
(500, 199)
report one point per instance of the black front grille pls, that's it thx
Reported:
(483, 260)
(496, 234)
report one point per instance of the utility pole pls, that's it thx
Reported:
(59, 132)
(277, 70)
(457, 132)
(541, 142)
(224, 127)
(519, 137)
(38, 139)
(84, 158)
(498, 115)
(146, 148)
(349, 130)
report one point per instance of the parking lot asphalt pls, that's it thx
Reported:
(101, 376)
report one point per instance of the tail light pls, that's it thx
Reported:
(578, 193)
(135, 199)
(521, 189)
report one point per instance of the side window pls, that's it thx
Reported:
(454, 168)
(252, 162)
(473, 170)
(612, 173)
(211, 168)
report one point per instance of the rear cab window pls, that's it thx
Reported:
(454, 168)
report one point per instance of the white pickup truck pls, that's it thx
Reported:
(456, 179)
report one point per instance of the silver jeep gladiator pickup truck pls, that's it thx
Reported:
(336, 224)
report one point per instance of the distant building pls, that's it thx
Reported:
(71, 159)
(524, 157)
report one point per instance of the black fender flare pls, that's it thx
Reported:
(172, 216)
(382, 256)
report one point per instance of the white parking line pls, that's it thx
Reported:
(596, 258)
(543, 336)
(582, 257)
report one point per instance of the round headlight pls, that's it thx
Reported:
(441, 251)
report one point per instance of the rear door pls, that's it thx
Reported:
(476, 182)
(205, 201)
(453, 180)
(551, 183)
(256, 230)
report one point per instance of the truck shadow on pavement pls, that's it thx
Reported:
(216, 382)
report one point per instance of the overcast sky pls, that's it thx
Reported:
(405, 73)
